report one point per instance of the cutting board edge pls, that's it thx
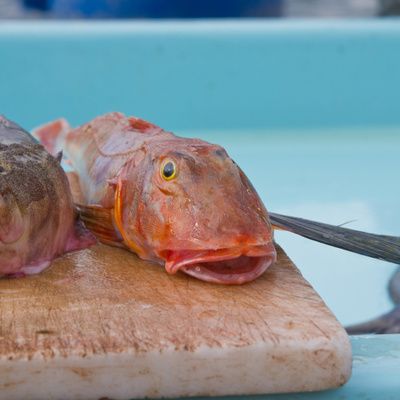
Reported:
(172, 373)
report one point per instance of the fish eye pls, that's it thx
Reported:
(168, 170)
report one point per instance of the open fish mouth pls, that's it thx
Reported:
(225, 266)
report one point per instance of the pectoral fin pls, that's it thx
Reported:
(383, 247)
(99, 220)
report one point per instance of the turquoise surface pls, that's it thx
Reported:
(335, 176)
(376, 372)
(310, 110)
(205, 75)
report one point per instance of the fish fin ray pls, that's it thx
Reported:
(99, 220)
(382, 247)
(278, 228)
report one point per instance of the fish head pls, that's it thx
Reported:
(192, 207)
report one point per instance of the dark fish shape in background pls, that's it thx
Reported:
(183, 202)
(386, 323)
(37, 218)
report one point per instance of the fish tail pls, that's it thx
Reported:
(386, 323)
(50, 135)
(382, 247)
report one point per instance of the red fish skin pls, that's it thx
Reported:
(208, 208)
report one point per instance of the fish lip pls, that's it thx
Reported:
(231, 266)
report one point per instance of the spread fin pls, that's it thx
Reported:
(383, 247)
(99, 220)
(50, 133)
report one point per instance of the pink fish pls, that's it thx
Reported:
(183, 203)
(37, 217)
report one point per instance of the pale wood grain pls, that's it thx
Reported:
(105, 301)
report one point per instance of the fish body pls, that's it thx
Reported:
(37, 217)
(204, 218)
(179, 202)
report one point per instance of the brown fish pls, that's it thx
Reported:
(37, 218)
(183, 203)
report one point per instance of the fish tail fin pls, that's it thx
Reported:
(49, 134)
(383, 247)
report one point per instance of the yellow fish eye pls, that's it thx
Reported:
(168, 170)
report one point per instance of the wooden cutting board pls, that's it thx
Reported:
(102, 323)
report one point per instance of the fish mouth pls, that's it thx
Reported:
(225, 266)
